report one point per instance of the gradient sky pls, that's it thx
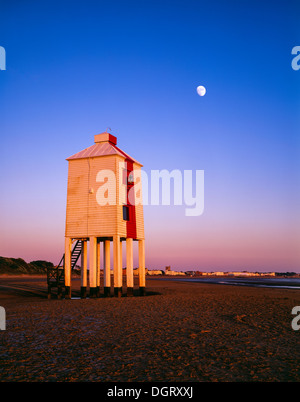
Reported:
(75, 68)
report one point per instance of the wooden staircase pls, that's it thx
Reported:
(56, 275)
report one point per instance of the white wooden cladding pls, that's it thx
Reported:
(84, 216)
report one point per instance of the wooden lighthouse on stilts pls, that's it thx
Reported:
(104, 208)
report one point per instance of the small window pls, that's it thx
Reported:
(124, 176)
(130, 178)
(125, 213)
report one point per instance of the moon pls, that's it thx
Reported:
(201, 90)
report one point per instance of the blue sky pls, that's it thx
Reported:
(75, 68)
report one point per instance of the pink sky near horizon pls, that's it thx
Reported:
(184, 243)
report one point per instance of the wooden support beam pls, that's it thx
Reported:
(83, 269)
(106, 268)
(142, 275)
(68, 252)
(93, 266)
(129, 266)
(117, 267)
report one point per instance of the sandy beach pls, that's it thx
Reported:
(179, 331)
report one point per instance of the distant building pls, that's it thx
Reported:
(173, 273)
(246, 273)
(155, 272)
(191, 273)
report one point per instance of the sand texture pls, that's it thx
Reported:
(177, 332)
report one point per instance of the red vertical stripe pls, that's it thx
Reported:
(131, 223)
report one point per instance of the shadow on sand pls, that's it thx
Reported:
(37, 288)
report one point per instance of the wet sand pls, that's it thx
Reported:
(179, 331)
